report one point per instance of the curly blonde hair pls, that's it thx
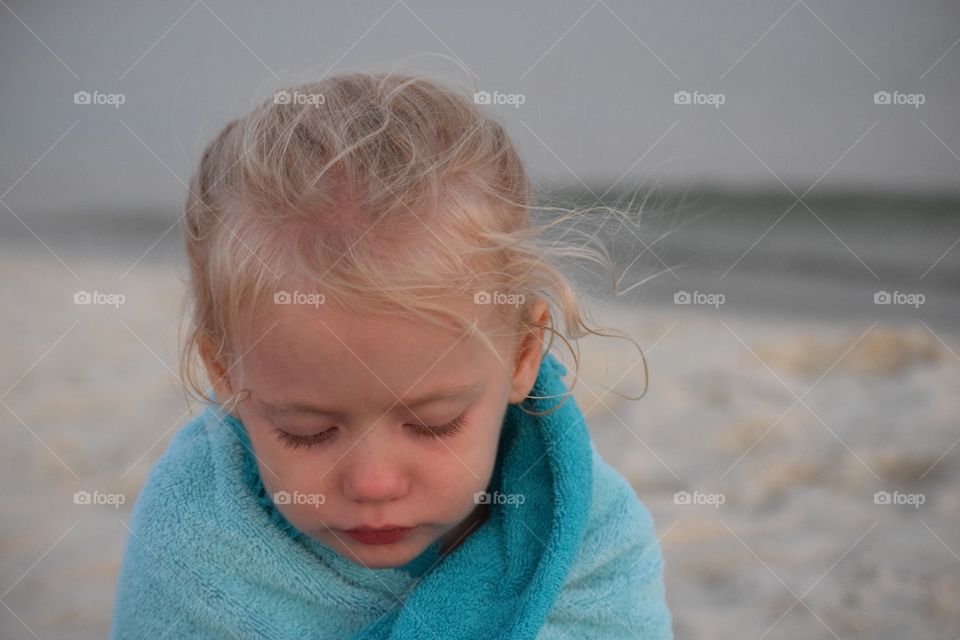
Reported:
(391, 192)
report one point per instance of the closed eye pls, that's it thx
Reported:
(445, 430)
(421, 430)
(295, 442)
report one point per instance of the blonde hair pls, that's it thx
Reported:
(389, 193)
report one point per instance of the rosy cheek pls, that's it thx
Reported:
(278, 469)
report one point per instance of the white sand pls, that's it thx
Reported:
(799, 518)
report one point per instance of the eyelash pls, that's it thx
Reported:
(422, 431)
(444, 430)
(295, 442)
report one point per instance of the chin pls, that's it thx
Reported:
(375, 556)
(390, 556)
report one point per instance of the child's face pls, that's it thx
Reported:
(325, 370)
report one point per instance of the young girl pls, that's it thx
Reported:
(390, 452)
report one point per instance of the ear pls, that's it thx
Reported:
(529, 353)
(215, 371)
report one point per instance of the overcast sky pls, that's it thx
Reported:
(787, 88)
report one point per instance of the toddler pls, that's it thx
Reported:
(387, 448)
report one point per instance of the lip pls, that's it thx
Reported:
(389, 534)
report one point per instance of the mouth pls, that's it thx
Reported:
(390, 534)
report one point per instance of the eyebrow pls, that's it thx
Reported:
(441, 393)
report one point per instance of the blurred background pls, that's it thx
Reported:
(794, 278)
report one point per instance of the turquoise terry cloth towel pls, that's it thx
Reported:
(209, 556)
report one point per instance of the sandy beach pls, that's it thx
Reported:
(778, 436)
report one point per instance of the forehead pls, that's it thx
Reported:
(329, 352)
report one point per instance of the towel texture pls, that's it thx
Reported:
(209, 556)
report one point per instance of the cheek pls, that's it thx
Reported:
(304, 498)
(453, 470)
(285, 471)
(467, 466)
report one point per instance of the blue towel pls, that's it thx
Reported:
(209, 556)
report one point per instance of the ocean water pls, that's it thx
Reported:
(824, 257)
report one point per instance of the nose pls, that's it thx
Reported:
(372, 473)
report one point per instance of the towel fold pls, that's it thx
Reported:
(209, 556)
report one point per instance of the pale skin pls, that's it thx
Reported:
(376, 467)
